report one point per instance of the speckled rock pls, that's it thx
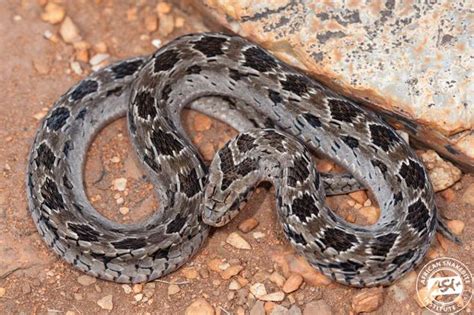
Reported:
(408, 57)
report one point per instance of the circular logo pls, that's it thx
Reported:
(444, 285)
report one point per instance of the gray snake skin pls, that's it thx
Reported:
(294, 114)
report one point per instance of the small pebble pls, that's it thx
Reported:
(359, 196)
(258, 290)
(248, 225)
(367, 300)
(258, 235)
(120, 184)
(69, 31)
(163, 8)
(106, 303)
(53, 13)
(124, 210)
(86, 280)
(443, 174)
(173, 289)
(231, 271)
(293, 283)
(97, 59)
(190, 273)
(126, 288)
(156, 43)
(237, 241)
(277, 278)
(215, 264)
(456, 226)
(137, 288)
(76, 67)
(234, 285)
(200, 307)
(273, 297)
(2, 292)
(138, 297)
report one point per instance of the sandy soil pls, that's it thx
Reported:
(34, 72)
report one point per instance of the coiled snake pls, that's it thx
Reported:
(295, 115)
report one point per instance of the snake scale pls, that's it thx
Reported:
(283, 115)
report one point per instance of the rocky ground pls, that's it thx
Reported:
(246, 267)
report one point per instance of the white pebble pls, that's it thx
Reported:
(237, 241)
(98, 58)
(120, 184)
(156, 43)
(258, 290)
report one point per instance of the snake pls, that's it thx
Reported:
(284, 117)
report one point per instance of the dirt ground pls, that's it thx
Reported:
(35, 71)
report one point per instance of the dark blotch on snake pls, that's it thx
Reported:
(58, 118)
(296, 83)
(294, 236)
(130, 243)
(194, 69)
(398, 197)
(343, 110)
(189, 184)
(236, 75)
(418, 215)
(339, 240)
(162, 253)
(413, 173)
(298, 172)
(349, 266)
(258, 59)
(145, 103)
(166, 60)
(84, 88)
(176, 225)
(400, 259)
(126, 68)
(304, 207)
(350, 141)
(165, 142)
(275, 97)
(312, 120)
(232, 172)
(84, 232)
(245, 142)
(382, 136)
(381, 165)
(82, 114)
(51, 195)
(275, 140)
(383, 244)
(45, 156)
(210, 46)
(165, 93)
(149, 159)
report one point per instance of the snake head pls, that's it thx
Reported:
(219, 208)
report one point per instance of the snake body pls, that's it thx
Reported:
(299, 115)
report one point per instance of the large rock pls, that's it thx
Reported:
(410, 58)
